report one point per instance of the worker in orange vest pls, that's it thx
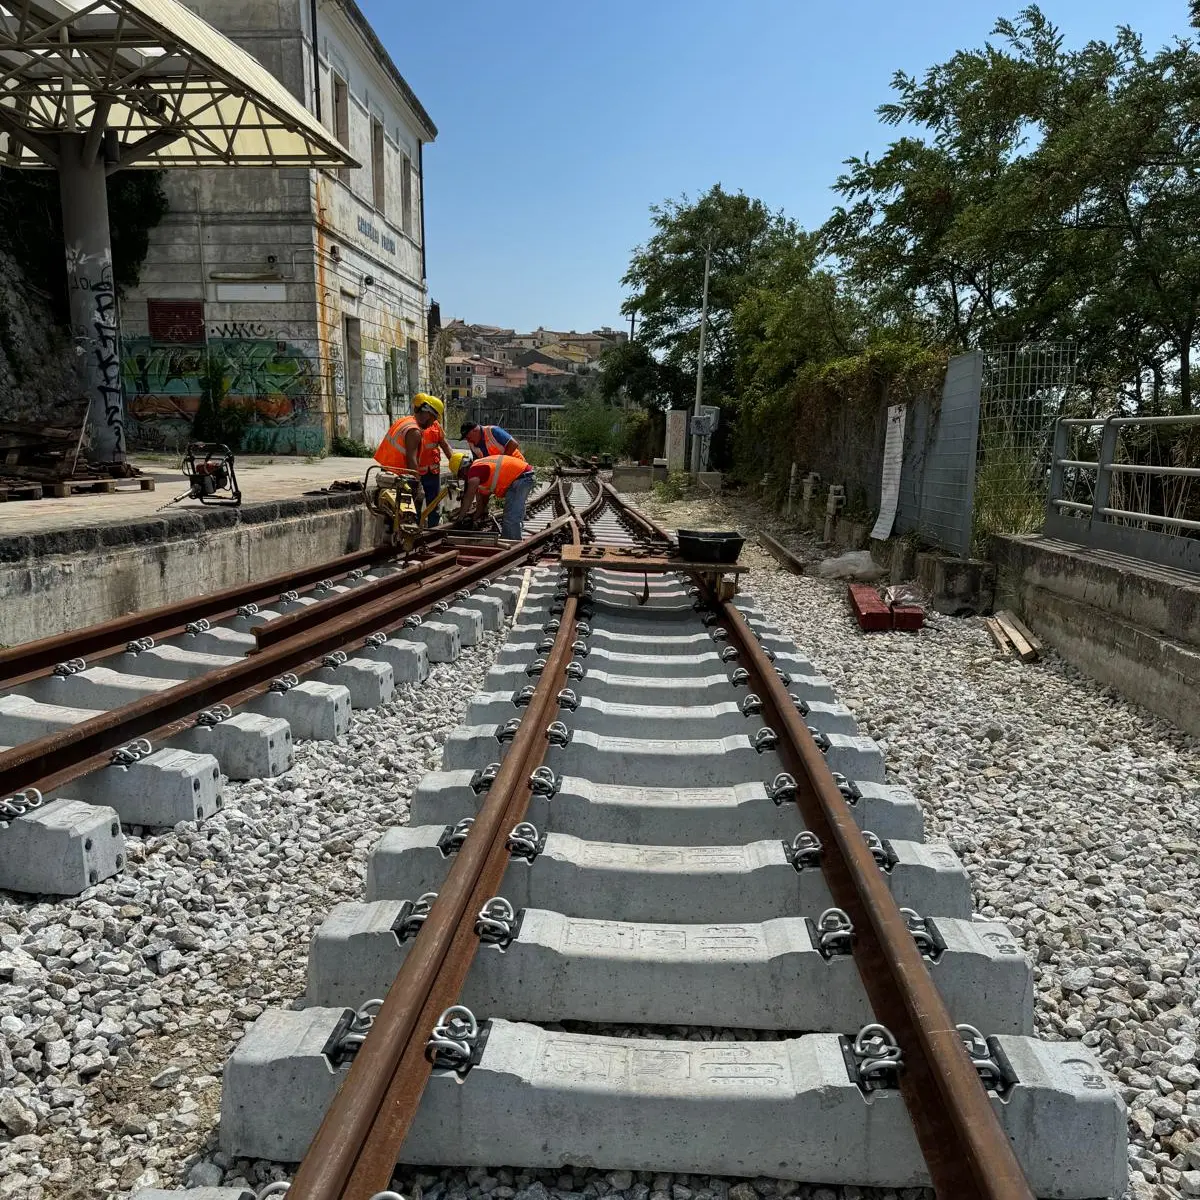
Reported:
(483, 440)
(500, 475)
(433, 445)
(400, 450)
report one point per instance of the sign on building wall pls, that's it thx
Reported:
(478, 387)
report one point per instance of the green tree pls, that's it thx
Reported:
(666, 277)
(629, 369)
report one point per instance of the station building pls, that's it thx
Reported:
(299, 294)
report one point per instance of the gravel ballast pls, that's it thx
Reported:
(1076, 814)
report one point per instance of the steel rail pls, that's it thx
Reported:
(35, 657)
(163, 733)
(23, 765)
(353, 1154)
(967, 1152)
(311, 615)
(781, 553)
(649, 526)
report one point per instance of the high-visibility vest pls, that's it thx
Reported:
(502, 470)
(392, 452)
(492, 446)
(431, 449)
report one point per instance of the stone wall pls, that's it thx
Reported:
(37, 380)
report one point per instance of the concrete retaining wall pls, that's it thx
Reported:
(1134, 626)
(57, 581)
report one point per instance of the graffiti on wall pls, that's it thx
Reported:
(279, 382)
(96, 323)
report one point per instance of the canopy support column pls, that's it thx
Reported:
(95, 322)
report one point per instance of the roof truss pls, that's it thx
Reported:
(169, 88)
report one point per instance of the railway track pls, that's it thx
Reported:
(139, 722)
(658, 910)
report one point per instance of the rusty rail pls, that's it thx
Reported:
(50, 761)
(30, 659)
(353, 1154)
(968, 1155)
(781, 553)
(650, 527)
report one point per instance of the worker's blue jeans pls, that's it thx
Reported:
(513, 522)
(431, 484)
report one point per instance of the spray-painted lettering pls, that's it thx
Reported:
(97, 331)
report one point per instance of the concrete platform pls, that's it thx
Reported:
(1128, 623)
(785, 1109)
(68, 563)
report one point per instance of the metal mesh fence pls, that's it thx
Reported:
(1025, 388)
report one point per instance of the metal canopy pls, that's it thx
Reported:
(170, 89)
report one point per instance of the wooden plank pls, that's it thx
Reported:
(998, 635)
(1025, 652)
(1012, 619)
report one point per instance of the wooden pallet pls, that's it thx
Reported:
(19, 489)
(78, 487)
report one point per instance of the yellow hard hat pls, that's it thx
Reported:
(456, 461)
(433, 402)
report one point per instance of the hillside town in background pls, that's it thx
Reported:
(545, 365)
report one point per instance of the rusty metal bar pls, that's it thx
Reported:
(312, 615)
(968, 1155)
(353, 1154)
(22, 766)
(781, 553)
(35, 657)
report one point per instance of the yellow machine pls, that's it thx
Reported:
(398, 499)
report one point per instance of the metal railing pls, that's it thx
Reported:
(1158, 537)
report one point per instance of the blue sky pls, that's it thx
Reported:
(561, 121)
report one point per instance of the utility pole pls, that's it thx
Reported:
(632, 319)
(696, 439)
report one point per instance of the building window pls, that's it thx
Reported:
(378, 167)
(177, 321)
(341, 119)
(406, 214)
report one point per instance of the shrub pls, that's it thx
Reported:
(348, 447)
(216, 420)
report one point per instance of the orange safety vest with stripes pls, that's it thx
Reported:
(392, 452)
(491, 446)
(503, 469)
(431, 449)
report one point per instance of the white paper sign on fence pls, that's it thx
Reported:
(893, 461)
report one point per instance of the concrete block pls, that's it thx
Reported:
(566, 968)
(506, 591)
(666, 816)
(831, 717)
(640, 762)
(247, 745)
(609, 719)
(160, 790)
(204, 1193)
(312, 709)
(97, 687)
(489, 608)
(61, 849)
(409, 660)
(23, 719)
(172, 662)
(605, 880)
(467, 621)
(441, 640)
(221, 639)
(784, 1109)
(858, 758)
(368, 680)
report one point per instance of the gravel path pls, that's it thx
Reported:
(119, 1008)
